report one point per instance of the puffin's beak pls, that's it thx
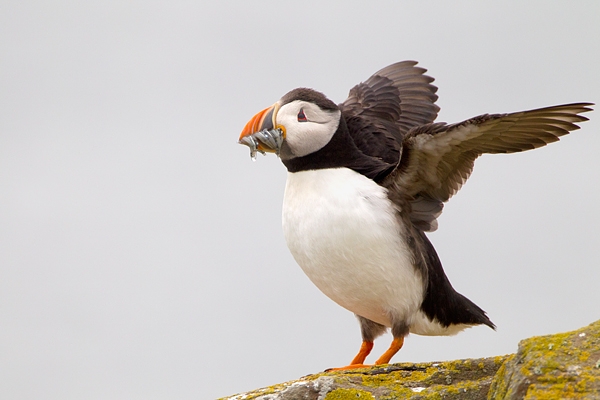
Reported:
(260, 133)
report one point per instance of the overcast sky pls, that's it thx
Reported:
(141, 251)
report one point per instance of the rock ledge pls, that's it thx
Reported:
(560, 366)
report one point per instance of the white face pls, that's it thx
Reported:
(307, 127)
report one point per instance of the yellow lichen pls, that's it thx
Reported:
(565, 365)
(349, 394)
(552, 367)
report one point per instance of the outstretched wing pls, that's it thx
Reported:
(438, 158)
(398, 93)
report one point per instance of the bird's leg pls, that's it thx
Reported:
(399, 331)
(369, 331)
(391, 352)
(365, 349)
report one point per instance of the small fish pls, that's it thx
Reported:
(266, 140)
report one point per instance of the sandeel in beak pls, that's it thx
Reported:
(261, 135)
(269, 138)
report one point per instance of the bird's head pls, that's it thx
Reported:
(300, 123)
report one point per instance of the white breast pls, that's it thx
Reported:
(343, 232)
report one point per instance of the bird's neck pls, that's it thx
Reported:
(340, 152)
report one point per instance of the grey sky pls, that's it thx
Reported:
(141, 252)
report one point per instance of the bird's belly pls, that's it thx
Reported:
(344, 233)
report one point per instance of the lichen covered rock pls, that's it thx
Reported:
(462, 379)
(561, 366)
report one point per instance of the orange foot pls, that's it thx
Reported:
(364, 351)
(348, 367)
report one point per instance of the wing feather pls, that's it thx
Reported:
(439, 157)
(436, 159)
(398, 93)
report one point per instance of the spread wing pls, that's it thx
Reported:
(438, 158)
(398, 93)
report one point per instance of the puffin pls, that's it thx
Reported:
(368, 178)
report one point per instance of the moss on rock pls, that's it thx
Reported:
(561, 366)
(461, 379)
(349, 394)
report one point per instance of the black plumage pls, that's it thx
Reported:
(387, 133)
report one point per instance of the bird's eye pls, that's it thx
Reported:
(302, 116)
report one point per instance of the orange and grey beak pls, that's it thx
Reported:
(262, 134)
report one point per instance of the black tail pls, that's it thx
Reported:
(442, 303)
